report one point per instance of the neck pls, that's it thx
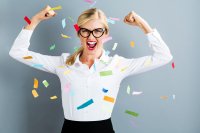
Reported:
(84, 57)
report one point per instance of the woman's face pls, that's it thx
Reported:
(92, 42)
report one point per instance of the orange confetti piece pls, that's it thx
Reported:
(35, 94)
(35, 83)
(28, 57)
(164, 97)
(109, 99)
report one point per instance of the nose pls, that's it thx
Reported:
(91, 36)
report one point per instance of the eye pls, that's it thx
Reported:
(99, 30)
(84, 30)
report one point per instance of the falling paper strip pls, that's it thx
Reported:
(67, 72)
(89, 1)
(76, 27)
(107, 39)
(94, 65)
(132, 113)
(115, 19)
(53, 97)
(89, 102)
(132, 43)
(123, 69)
(67, 87)
(106, 73)
(109, 99)
(105, 90)
(110, 21)
(52, 47)
(148, 62)
(46, 84)
(93, 4)
(137, 92)
(173, 65)
(27, 20)
(34, 93)
(107, 52)
(35, 85)
(163, 97)
(56, 8)
(28, 57)
(37, 65)
(128, 89)
(76, 49)
(63, 23)
(65, 36)
(114, 46)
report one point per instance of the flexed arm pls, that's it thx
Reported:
(20, 52)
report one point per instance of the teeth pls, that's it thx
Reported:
(91, 42)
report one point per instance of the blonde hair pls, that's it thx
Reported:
(86, 16)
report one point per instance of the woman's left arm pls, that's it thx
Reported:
(160, 57)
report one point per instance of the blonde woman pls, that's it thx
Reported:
(90, 79)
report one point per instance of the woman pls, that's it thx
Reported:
(90, 79)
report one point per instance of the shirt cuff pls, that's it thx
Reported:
(153, 36)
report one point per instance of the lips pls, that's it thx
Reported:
(91, 45)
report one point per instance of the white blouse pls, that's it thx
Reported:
(90, 94)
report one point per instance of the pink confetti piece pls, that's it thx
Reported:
(116, 19)
(89, 1)
(67, 87)
(107, 39)
(173, 65)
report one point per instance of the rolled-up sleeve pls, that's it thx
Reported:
(19, 51)
(161, 56)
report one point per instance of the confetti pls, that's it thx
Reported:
(53, 97)
(64, 23)
(27, 20)
(35, 94)
(128, 89)
(132, 113)
(132, 44)
(105, 90)
(76, 27)
(35, 85)
(70, 19)
(67, 72)
(173, 65)
(109, 99)
(28, 57)
(110, 21)
(107, 52)
(89, 1)
(37, 65)
(115, 19)
(56, 8)
(52, 47)
(93, 4)
(163, 97)
(76, 48)
(67, 87)
(123, 69)
(148, 62)
(89, 102)
(107, 39)
(65, 36)
(46, 84)
(137, 92)
(106, 73)
(94, 65)
(114, 46)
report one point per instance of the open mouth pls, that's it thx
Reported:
(91, 45)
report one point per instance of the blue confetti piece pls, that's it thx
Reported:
(107, 52)
(110, 21)
(63, 23)
(89, 102)
(37, 65)
(105, 90)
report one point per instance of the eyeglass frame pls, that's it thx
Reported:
(104, 29)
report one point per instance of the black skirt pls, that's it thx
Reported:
(102, 126)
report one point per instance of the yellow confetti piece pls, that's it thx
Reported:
(123, 69)
(28, 57)
(67, 72)
(163, 97)
(35, 83)
(61, 66)
(147, 62)
(35, 94)
(65, 36)
(132, 43)
(109, 99)
(56, 8)
(53, 97)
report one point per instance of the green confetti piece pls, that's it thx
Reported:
(46, 84)
(128, 89)
(106, 73)
(75, 49)
(131, 113)
(52, 47)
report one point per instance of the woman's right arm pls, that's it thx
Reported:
(20, 52)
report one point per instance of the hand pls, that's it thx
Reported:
(135, 20)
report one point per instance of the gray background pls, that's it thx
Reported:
(176, 20)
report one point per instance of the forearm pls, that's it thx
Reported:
(33, 24)
(146, 27)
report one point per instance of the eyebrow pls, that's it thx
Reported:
(91, 30)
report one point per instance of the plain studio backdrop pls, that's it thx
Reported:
(176, 20)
